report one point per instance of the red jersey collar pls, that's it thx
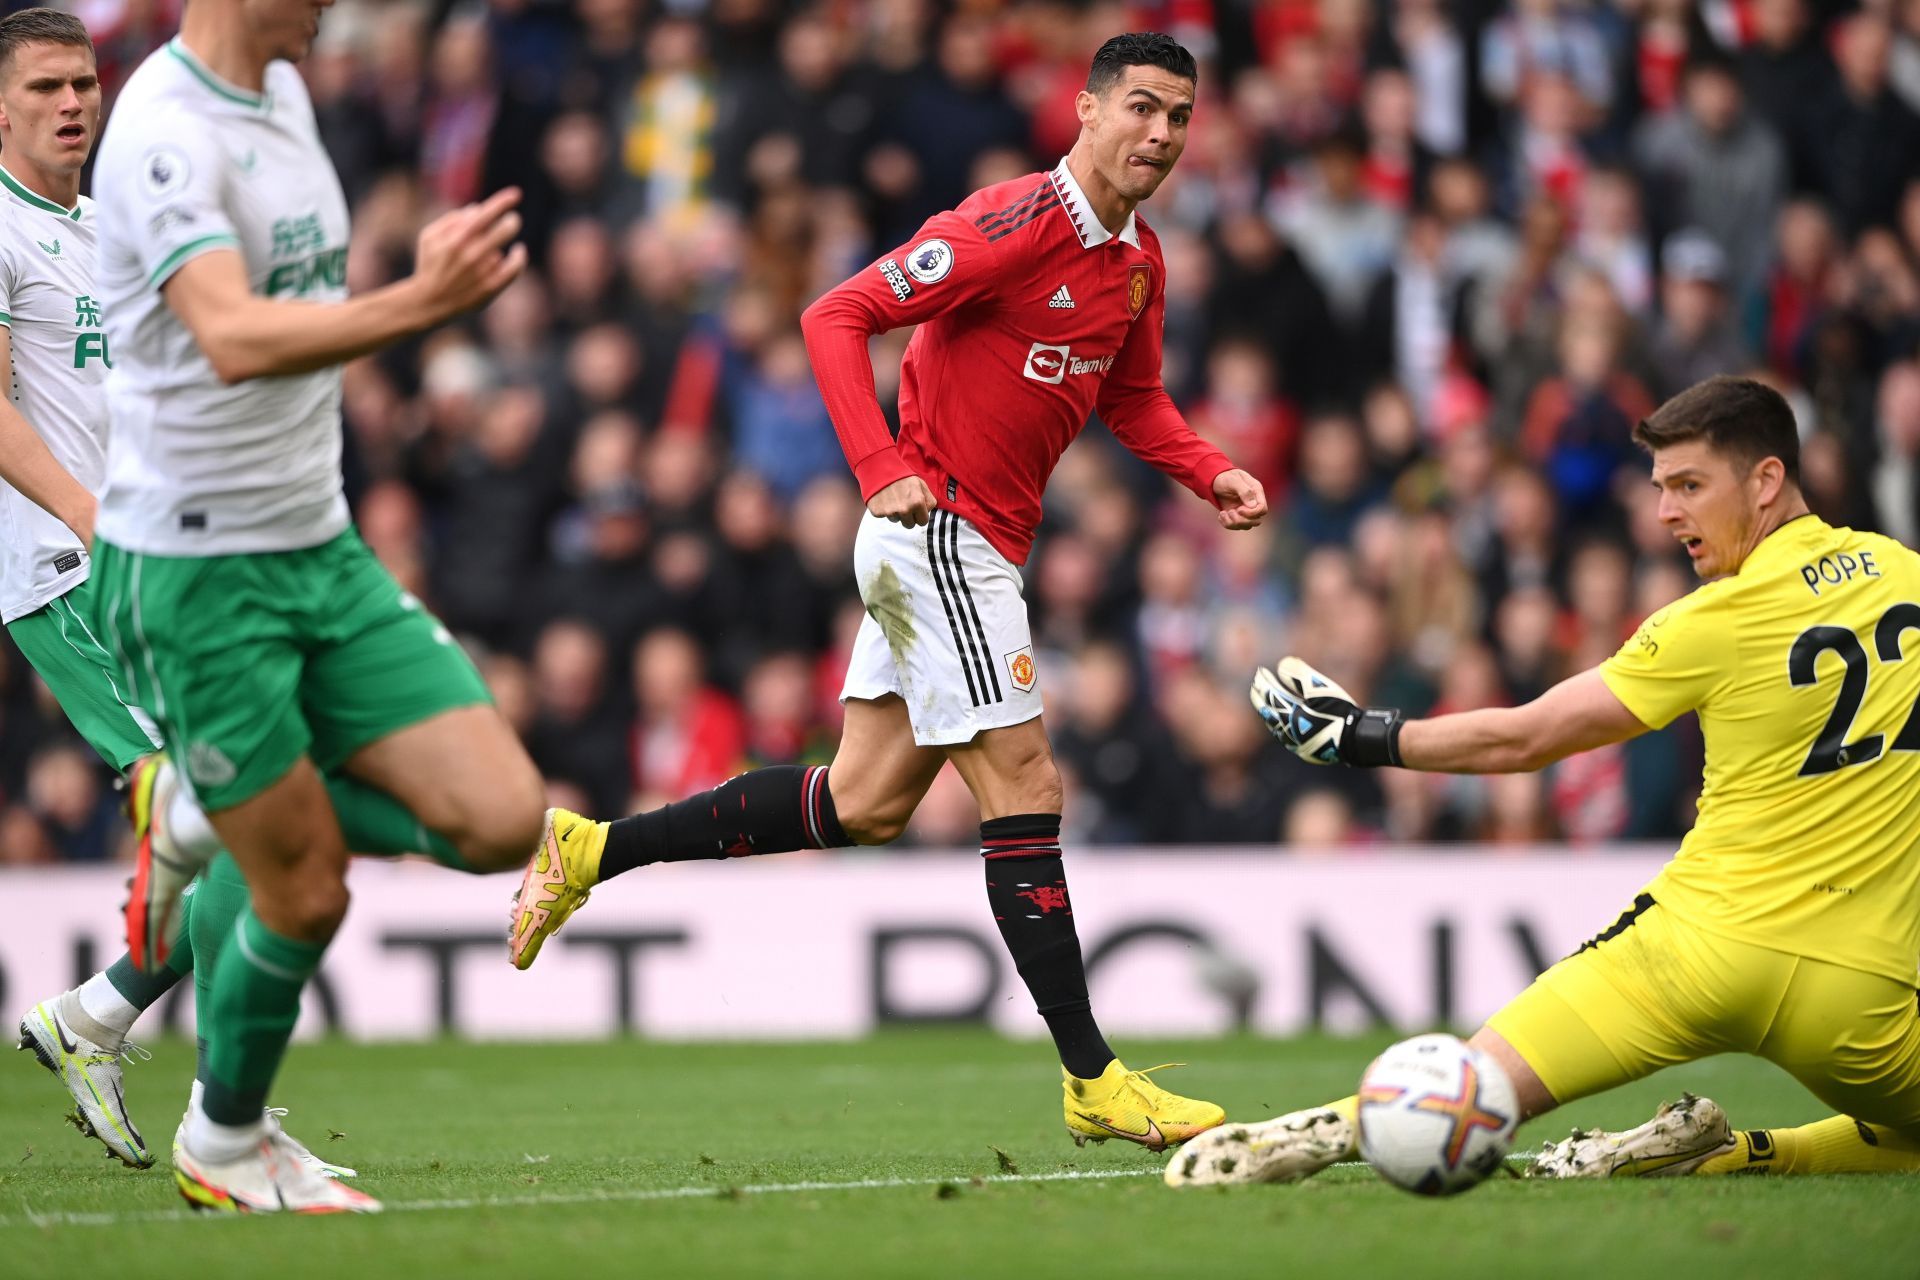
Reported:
(1086, 223)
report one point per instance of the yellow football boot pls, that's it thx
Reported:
(562, 871)
(1126, 1104)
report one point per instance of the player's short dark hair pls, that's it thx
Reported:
(39, 26)
(1745, 419)
(1138, 49)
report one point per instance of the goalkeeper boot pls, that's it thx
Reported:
(162, 867)
(1680, 1138)
(561, 873)
(1127, 1104)
(268, 1178)
(91, 1074)
(1288, 1149)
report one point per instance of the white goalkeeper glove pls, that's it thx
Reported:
(1319, 721)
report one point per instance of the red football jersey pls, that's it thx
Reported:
(1032, 314)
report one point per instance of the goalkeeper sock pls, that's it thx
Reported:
(1027, 889)
(773, 810)
(371, 821)
(1839, 1144)
(219, 896)
(256, 1001)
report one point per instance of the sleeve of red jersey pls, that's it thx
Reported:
(947, 266)
(1136, 407)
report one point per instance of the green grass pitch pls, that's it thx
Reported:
(879, 1159)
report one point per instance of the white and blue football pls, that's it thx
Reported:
(1436, 1116)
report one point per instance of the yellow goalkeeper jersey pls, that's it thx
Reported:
(1805, 669)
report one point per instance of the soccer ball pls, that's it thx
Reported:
(1436, 1116)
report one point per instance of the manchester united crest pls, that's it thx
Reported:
(1138, 284)
(1020, 667)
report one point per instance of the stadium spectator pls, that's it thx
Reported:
(1579, 422)
(1244, 414)
(1869, 139)
(1896, 477)
(1427, 42)
(1345, 234)
(1709, 164)
(686, 733)
(575, 732)
(1695, 337)
(1787, 76)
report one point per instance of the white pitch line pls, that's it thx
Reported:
(28, 1217)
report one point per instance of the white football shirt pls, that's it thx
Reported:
(190, 164)
(57, 382)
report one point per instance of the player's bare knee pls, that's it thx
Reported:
(872, 824)
(496, 826)
(1022, 777)
(309, 907)
(1045, 792)
(1036, 785)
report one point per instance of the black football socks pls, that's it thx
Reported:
(773, 810)
(1027, 889)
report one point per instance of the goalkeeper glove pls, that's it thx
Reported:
(1320, 722)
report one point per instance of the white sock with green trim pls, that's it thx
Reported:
(218, 1143)
(100, 1008)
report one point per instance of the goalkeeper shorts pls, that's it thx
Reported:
(1655, 990)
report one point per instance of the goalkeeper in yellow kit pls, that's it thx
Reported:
(1788, 924)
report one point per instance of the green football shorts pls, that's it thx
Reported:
(249, 662)
(59, 639)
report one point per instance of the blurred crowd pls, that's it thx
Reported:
(1428, 264)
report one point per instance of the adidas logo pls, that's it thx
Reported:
(1061, 299)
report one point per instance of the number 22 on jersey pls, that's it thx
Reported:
(1831, 751)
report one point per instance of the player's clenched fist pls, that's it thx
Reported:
(906, 502)
(1319, 721)
(1243, 502)
(468, 255)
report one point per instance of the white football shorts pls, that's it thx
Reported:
(946, 629)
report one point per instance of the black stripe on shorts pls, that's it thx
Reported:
(973, 614)
(950, 577)
(946, 602)
(1640, 906)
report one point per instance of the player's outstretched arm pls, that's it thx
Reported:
(1137, 409)
(1322, 723)
(29, 466)
(464, 259)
